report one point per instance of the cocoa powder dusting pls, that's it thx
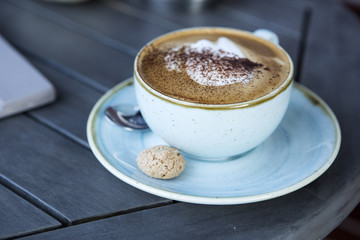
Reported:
(211, 68)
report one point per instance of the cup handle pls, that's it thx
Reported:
(267, 35)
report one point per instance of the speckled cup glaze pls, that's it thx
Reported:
(211, 131)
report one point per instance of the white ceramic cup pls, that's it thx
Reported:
(212, 131)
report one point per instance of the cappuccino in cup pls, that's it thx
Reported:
(213, 92)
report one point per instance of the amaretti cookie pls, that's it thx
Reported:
(161, 162)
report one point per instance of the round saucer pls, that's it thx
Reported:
(299, 151)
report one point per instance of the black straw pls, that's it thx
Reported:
(302, 45)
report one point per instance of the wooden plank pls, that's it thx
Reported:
(331, 69)
(258, 14)
(275, 219)
(69, 113)
(108, 24)
(271, 14)
(97, 61)
(63, 174)
(14, 210)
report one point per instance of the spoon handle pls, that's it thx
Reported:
(113, 115)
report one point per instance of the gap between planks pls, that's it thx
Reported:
(66, 222)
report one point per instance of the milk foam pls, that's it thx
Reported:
(210, 63)
(229, 48)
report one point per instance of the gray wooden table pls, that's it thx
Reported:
(52, 186)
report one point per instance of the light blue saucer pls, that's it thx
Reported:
(301, 149)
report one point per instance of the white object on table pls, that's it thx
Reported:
(22, 87)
